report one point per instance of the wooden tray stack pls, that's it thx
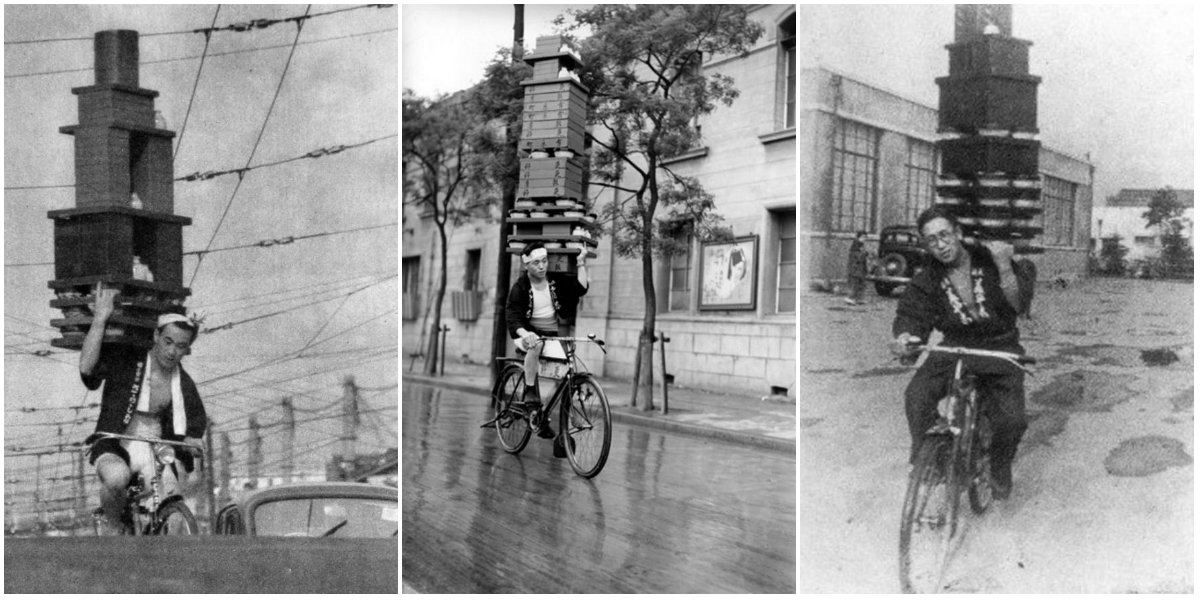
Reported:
(550, 205)
(987, 115)
(122, 233)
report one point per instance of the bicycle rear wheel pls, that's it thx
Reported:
(929, 520)
(175, 518)
(512, 426)
(586, 426)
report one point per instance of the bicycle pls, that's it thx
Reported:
(147, 511)
(954, 456)
(585, 423)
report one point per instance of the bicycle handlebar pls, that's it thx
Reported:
(590, 338)
(1020, 360)
(87, 444)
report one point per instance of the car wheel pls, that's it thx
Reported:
(894, 265)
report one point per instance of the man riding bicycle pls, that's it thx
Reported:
(540, 304)
(146, 394)
(973, 295)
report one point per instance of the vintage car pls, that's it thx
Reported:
(313, 509)
(901, 255)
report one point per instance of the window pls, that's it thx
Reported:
(920, 174)
(787, 59)
(855, 159)
(471, 271)
(410, 283)
(1058, 216)
(786, 287)
(679, 282)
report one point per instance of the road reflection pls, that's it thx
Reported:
(669, 513)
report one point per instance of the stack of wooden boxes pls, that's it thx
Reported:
(987, 115)
(550, 204)
(121, 234)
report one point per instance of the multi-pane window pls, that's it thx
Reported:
(786, 289)
(1058, 211)
(787, 46)
(920, 173)
(679, 285)
(855, 161)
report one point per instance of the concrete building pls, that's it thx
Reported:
(1121, 215)
(870, 161)
(748, 162)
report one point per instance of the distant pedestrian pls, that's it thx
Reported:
(856, 269)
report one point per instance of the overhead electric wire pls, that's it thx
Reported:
(318, 153)
(232, 324)
(236, 27)
(211, 54)
(198, 176)
(195, 85)
(261, 243)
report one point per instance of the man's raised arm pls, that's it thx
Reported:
(102, 309)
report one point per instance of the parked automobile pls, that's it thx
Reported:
(901, 255)
(313, 509)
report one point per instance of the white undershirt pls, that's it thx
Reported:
(543, 316)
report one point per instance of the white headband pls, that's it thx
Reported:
(168, 318)
(532, 256)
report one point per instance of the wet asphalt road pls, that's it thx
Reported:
(669, 513)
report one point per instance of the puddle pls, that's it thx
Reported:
(1183, 401)
(1159, 357)
(1139, 457)
(1074, 332)
(1043, 426)
(824, 371)
(881, 372)
(806, 422)
(1105, 355)
(1084, 391)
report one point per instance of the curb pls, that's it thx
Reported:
(621, 415)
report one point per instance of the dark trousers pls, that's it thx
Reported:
(1001, 393)
(857, 284)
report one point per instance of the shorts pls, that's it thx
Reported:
(138, 456)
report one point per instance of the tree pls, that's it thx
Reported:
(442, 172)
(500, 100)
(642, 64)
(1112, 255)
(1166, 213)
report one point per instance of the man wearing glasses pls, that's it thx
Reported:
(542, 303)
(973, 295)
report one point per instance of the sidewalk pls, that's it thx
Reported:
(769, 424)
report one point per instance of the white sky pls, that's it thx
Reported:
(338, 92)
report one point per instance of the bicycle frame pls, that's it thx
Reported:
(145, 498)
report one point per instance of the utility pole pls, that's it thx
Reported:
(289, 449)
(226, 459)
(37, 494)
(210, 496)
(509, 195)
(80, 487)
(255, 453)
(349, 426)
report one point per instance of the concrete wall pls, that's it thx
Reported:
(826, 97)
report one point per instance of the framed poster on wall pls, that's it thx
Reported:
(729, 274)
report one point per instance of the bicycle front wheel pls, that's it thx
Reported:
(929, 520)
(175, 518)
(586, 426)
(512, 426)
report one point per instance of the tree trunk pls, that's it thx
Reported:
(644, 373)
(431, 357)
